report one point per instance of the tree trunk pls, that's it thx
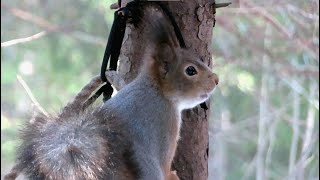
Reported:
(195, 19)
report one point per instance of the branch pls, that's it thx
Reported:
(32, 98)
(30, 17)
(50, 27)
(24, 40)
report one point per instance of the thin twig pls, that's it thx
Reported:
(23, 40)
(32, 98)
(52, 28)
(27, 16)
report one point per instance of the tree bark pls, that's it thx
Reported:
(195, 19)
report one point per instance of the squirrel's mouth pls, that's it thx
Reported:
(204, 96)
(207, 94)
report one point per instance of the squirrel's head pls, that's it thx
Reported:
(182, 77)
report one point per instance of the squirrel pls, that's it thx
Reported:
(131, 136)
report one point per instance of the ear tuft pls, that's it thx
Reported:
(161, 40)
(159, 29)
(162, 44)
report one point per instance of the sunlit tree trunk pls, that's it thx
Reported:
(296, 132)
(218, 162)
(195, 19)
(308, 133)
(263, 113)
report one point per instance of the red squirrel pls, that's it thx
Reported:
(131, 136)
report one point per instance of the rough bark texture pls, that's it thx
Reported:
(195, 19)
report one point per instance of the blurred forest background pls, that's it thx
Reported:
(265, 111)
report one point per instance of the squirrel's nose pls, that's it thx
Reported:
(215, 78)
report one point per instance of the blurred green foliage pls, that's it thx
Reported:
(58, 64)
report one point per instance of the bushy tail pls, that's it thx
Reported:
(71, 148)
(71, 145)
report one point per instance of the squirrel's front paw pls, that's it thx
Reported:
(173, 176)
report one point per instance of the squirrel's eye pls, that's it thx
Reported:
(191, 71)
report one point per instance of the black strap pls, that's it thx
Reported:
(112, 50)
(116, 36)
(108, 49)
